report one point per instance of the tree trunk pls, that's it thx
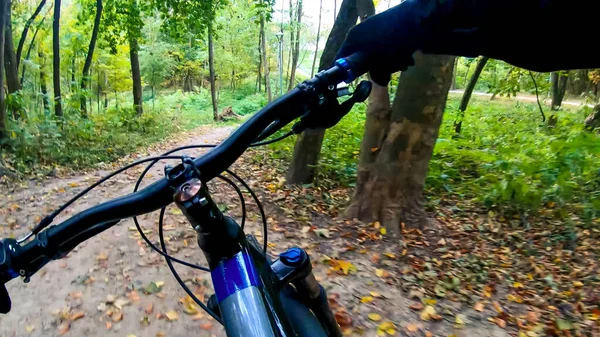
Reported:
(10, 64)
(90, 55)
(308, 144)
(43, 81)
(454, 72)
(211, 67)
(3, 129)
(26, 30)
(464, 102)
(312, 69)
(56, 59)
(292, 35)
(265, 60)
(559, 86)
(259, 72)
(390, 190)
(136, 76)
(296, 52)
(37, 29)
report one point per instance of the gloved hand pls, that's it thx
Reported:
(388, 40)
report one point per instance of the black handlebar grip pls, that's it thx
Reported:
(5, 303)
(355, 65)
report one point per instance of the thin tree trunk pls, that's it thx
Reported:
(454, 73)
(37, 29)
(43, 80)
(26, 30)
(559, 86)
(296, 52)
(3, 128)
(391, 190)
(312, 69)
(292, 35)
(10, 64)
(98, 89)
(89, 57)
(211, 67)
(56, 59)
(137, 77)
(308, 144)
(259, 76)
(265, 60)
(464, 102)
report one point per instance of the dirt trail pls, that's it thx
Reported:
(99, 289)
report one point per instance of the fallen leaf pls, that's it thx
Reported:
(322, 232)
(108, 325)
(577, 284)
(29, 328)
(500, 322)
(532, 317)
(382, 273)
(430, 301)
(383, 231)
(160, 334)
(514, 298)
(121, 302)
(131, 335)
(428, 313)
(416, 306)
(442, 242)
(412, 327)
(478, 306)
(390, 255)
(206, 326)
(374, 294)
(172, 315)
(117, 316)
(64, 327)
(376, 225)
(145, 321)
(563, 324)
(342, 266)
(148, 309)
(375, 258)
(459, 321)
(386, 328)
(374, 317)
(428, 334)
(366, 299)
(133, 296)
(77, 315)
(102, 257)
(152, 288)
(518, 285)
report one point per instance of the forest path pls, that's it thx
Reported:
(103, 287)
(526, 98)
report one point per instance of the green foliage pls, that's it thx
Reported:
(505, 159)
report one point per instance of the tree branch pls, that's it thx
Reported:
(26, 30)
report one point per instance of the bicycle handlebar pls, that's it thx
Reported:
(56, 241)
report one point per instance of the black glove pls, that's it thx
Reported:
(388, 40)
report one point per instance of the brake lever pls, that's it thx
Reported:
(330, 111)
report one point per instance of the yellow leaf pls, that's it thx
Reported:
(518, 285)
(430, 301)
(159, 284)
(386, 328)
(172, 315)
(366, 299)
(131, 335)
(514, 298)
(77, 315)
(374, 294)
(374, 317)
(29, 328)
(459, 322)
(102, 257)
(344, 266)
(577, 284)
(390, 255)
(381, 273)
(428, 313)
(383, 231)
(376, 225)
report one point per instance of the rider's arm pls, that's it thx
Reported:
(525, 33)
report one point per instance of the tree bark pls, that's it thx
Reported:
(211, 67)
(10, 64)
(559, 86)
(56, 59)
(296, 52)
(43, 80)
(391, 189)
(85, 76)
(26, 30)
(259, 75)
(265, 60)
(312, 69)
(453, 87)
(308, 145)
(37, 29)
(3, 129)
(136, 76)
(292, 35)
(464, 102)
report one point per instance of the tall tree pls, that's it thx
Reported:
(389, 188)
(133, 35)
(10, 64)
(28, 54)
(312, 69)
(308, 144)
(292, 35)
(56, 59)
(296, 52)
(3, 129)
(559, 87)
(26, 30)
(464, 102)
(85, 76)
(43, 80)
(263, 41)
(211, 67)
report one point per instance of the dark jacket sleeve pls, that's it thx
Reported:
(540, 35)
